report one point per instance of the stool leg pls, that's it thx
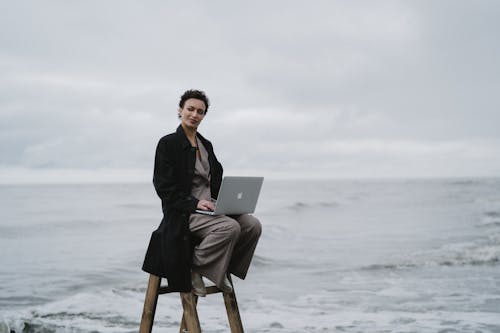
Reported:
(148, 313)
(190, 315)
(233, 314)
(183, 322)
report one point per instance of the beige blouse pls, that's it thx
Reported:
(201, 189)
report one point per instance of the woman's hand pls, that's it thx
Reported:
(205, 205)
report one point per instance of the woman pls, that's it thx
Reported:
(188, 245)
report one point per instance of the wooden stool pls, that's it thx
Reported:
(190, 322)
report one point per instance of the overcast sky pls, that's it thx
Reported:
(298, 88)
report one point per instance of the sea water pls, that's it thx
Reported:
(334, 256)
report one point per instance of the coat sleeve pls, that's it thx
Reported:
(167, 184)
(216, 170)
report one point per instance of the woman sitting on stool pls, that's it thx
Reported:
(187, 176)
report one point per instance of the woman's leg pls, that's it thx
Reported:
(250, 230)
(212, 255)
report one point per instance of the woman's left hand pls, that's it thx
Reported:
(205, 205)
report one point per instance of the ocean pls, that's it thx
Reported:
(335, 256)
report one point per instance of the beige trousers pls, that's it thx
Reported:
(227, 245)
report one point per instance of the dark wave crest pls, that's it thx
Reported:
(390, 267)
(492, 214)
(490, 219)
(299, 205)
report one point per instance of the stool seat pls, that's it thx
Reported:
(190, 321)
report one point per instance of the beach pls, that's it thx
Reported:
(405, 255)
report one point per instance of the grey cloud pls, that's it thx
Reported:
(95, 84)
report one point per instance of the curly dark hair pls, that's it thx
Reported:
(197, 94)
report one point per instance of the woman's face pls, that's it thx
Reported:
(192, 113)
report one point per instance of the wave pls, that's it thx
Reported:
(329, 204)
(492, 214)
(467, 254)
(490, 224)
(138, 205)
(37, 326)
(261, 261)
(490, 219)
(92, 311)
(391, 267)
(485, 252)
(22, 300)
(29, 327)
(299, 205)
(466, 182)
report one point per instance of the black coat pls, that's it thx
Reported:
(170, 249)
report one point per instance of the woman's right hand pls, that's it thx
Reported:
(205, 205)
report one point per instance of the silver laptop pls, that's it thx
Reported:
(237, 195)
